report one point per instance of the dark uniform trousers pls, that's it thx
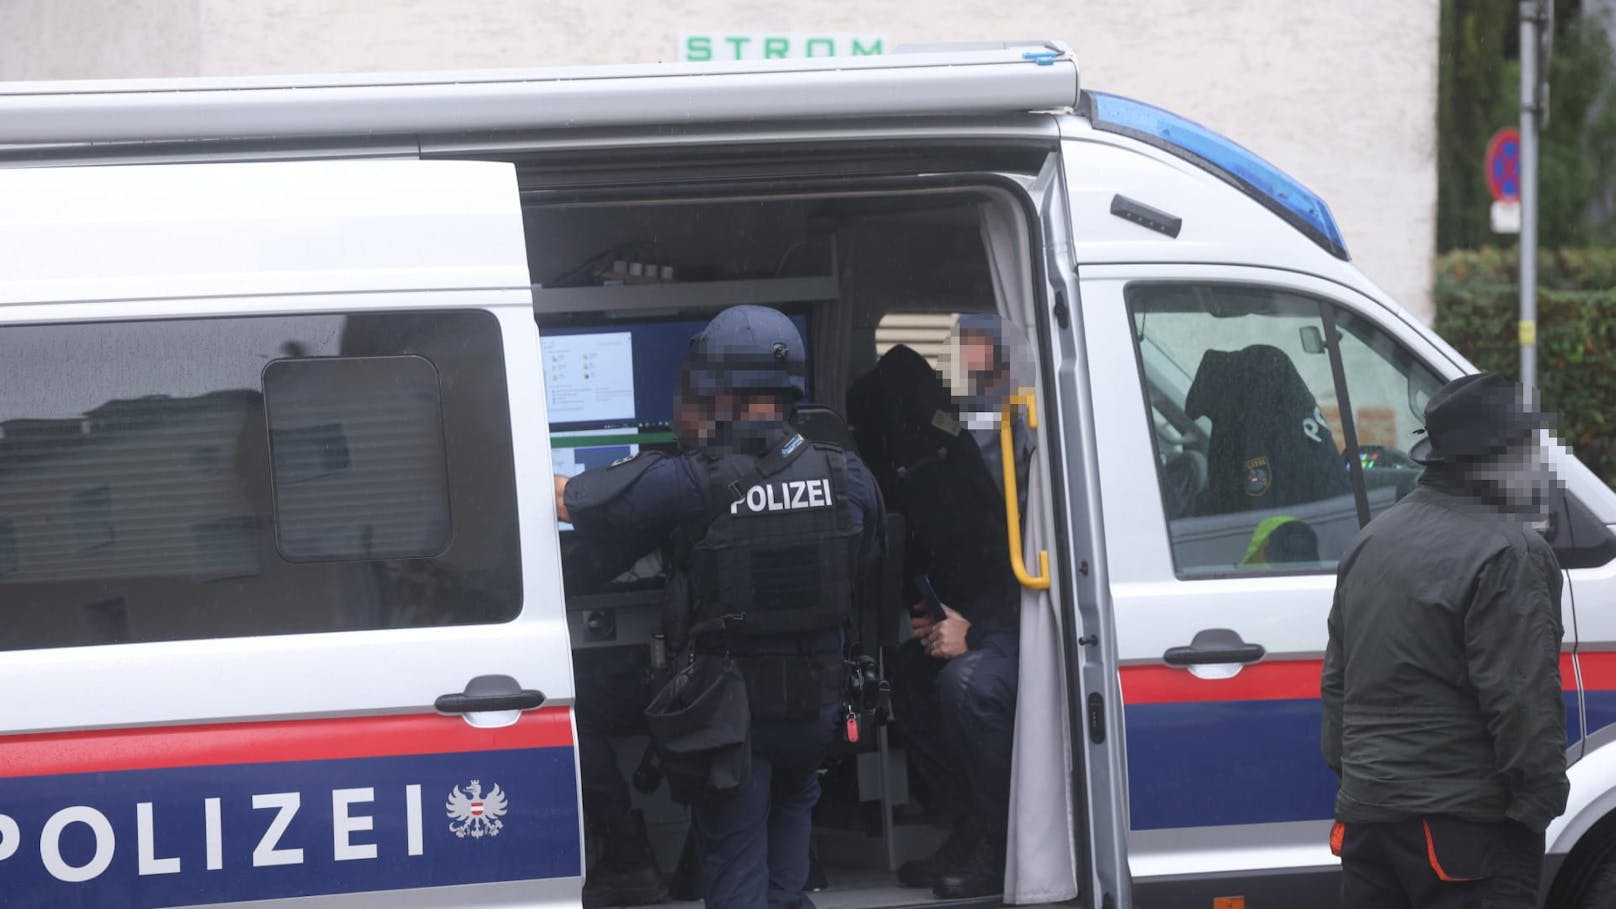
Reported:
(1440, 863)
(958, 717)
(612, 694)
(754, 842)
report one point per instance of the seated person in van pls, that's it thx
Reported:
(1270, 446)
(954, 684)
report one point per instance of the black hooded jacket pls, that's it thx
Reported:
(930, 469)
(1270, 445)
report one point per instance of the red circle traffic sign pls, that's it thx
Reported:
(1504, 165)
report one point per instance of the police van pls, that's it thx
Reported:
(289, 364)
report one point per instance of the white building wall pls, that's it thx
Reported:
(1339, 93)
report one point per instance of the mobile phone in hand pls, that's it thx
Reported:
(931, 603)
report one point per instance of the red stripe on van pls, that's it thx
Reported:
(1598, 670)
(1283, 680)
(148, 748)
(1275, 680)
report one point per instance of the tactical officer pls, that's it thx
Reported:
(1442, 706)
(612, 692)
(613, 688)
(772, 534)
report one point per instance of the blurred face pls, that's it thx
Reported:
(1516, 478)
(977, 353)
(690, 423)
(980, 357)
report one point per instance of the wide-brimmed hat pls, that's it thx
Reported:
(1472, 417)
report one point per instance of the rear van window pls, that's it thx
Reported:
(209, 478)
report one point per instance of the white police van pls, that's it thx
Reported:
(287, 371)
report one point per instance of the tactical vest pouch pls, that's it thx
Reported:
(790, 687)
(700, 724)
(788, 569)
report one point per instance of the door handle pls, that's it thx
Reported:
(488, 693)
(1214, 645)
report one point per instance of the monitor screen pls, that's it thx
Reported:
(609, 386)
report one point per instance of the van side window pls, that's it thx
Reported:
(356, 452)
(209, 478)
(1250, 448)
(1388, 389)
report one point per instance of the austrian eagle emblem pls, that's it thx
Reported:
(474, 814)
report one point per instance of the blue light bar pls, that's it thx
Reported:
(1193, 142)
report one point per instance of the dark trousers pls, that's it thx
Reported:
(754, 842)
(958, 717)
(1440, 863)
(612, 694)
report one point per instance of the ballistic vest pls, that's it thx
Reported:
(780, 548)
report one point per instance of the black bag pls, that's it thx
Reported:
(700, 724)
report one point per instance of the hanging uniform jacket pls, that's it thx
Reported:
(1271, 446)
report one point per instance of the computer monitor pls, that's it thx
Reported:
(609, 386)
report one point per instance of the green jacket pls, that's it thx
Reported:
(1442, 676)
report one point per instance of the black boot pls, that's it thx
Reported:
(981, 875)
(626, 873)
(953, 853)
(817, 879)
(686, 884)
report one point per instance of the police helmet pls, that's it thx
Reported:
(749, 348)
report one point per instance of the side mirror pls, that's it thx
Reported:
(1312, 339)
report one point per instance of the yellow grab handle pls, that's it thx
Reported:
(1012, 501)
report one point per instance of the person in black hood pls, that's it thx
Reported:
(1441, 687)
(1270, 446)
(955, 682)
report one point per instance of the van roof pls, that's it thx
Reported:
(960, 79)
(74, 234)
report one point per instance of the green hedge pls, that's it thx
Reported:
(1478, 307)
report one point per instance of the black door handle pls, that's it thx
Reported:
(1214, 645)
(489, 693)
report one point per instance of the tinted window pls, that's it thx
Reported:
(1251, 467)
(229, 477)
(356, 448)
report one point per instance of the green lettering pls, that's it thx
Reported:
(776, 48)
(860, 50)
(827, 43)
(698, 48)
(738, 42)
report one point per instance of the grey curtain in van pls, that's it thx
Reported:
(1043, 866)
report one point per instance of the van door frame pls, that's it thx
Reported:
(1099, 824)
(1094, 691)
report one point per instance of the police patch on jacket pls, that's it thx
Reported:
(1259, 476)
(785, 495)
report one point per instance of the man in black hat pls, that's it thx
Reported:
(1442, 700)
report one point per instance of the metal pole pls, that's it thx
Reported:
(1530, 17)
